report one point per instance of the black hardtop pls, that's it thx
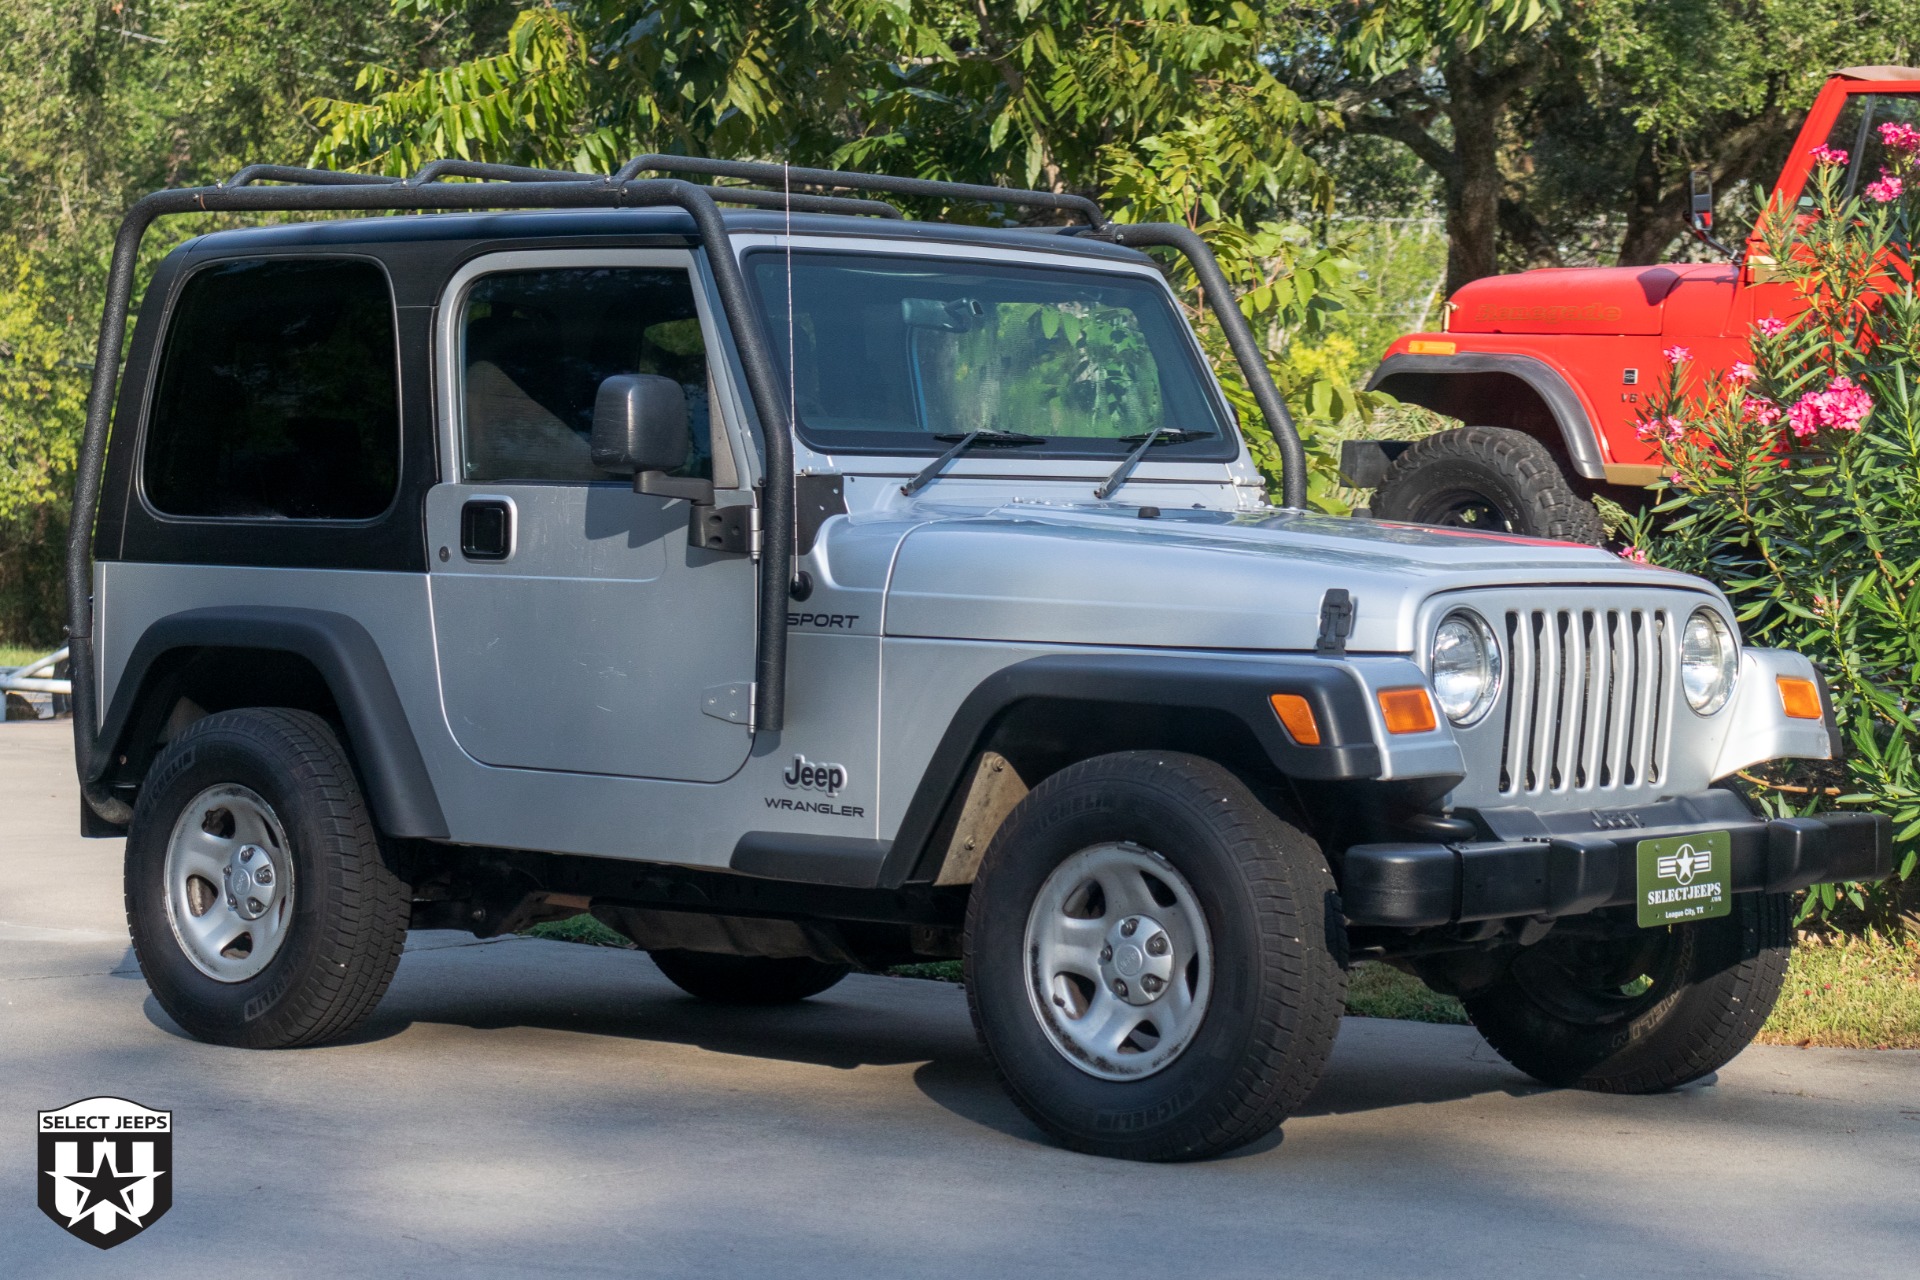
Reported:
(653, 225)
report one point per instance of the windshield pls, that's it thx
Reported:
(894, 352)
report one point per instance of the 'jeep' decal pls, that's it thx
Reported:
(805, 774)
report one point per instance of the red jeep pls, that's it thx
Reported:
(1548, 368)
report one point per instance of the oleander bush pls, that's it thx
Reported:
(1794, 483)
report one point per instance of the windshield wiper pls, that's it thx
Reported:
(1159, 435)
(998, 439)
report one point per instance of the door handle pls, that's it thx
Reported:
(486, 528)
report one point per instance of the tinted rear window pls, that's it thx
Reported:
(278, 395)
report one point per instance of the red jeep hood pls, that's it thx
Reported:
(1571, 300)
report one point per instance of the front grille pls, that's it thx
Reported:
(1587, 701)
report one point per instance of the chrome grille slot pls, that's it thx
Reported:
(1587, 700)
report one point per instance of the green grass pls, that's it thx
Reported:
(1850, 993)
(580, 928)
(933, 970)
(14, 655)
(1382, 991)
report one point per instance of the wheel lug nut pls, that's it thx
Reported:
(1128, 925)
(1106, 953)
(1150, 984)
(256, 906)
(247, 852)
(1120, 987)
(263, 877)
(1158, 945)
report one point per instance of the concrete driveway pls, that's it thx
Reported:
(533, 1108)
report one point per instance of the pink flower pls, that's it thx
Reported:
(1677, 355)
(1636, 555)
(1885, 191)
(1843, 406)
(1771, 326)
(1758, 409)
(1742, 373)
(1828, 155)
(1900, 137)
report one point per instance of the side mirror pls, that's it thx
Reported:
(1700, 215)
(639, 424)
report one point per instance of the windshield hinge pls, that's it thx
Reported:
(1336, 623)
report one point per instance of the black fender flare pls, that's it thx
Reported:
(1242, 689)
(392, 770)
(1577, 430)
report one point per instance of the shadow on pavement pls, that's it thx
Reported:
(520, 985)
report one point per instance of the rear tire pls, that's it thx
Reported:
(1492, 479)
(262, 910)
(1235, 906)
(1567, 1011)
(747, 979)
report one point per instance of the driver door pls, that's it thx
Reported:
(576, 629)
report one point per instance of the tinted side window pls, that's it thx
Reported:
(539, 343)
(278, 394)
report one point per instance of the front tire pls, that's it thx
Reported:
(1492, 479)
(1200, 1027)
(262, 910)
(1642, 1014)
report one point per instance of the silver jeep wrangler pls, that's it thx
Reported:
(801, 589)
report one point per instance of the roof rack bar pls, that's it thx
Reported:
(779, 175)
(307, 177)
(434, 170)
(803, 202)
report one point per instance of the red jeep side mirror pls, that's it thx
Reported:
(1700, 214)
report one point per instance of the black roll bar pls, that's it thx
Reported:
(491, 186)
(1246, 350)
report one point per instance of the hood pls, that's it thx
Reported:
(1595, 300)
(1100, 575)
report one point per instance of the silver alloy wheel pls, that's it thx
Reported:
(1119, 961)
(229, 882)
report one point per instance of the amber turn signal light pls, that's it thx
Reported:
(1407, 710)
(1296, 713)
(1428, 347)
(1800, 699)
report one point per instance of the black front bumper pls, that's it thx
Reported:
(1567, 864)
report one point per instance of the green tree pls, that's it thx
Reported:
(100, 102)
(1164, 109)
(1537, 120)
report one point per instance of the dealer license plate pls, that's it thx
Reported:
(1684, 878)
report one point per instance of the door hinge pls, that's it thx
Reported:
(730, 702)
(724, 529)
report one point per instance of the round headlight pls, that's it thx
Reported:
(1709, 660)
(1464, 664)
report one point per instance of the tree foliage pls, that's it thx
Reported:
(100, 102)
(1566, 130)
